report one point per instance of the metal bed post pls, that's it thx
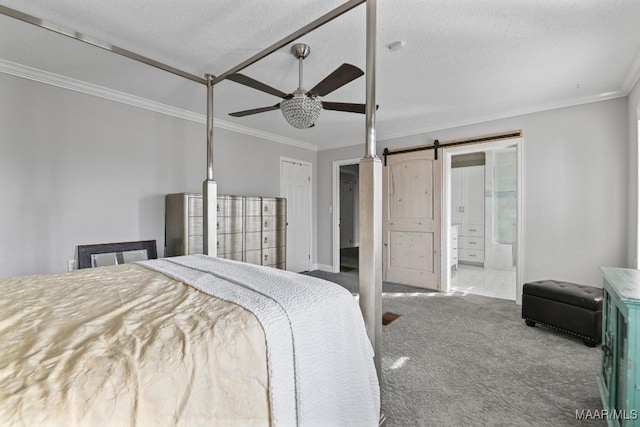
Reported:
(370, 263)
(209, 186)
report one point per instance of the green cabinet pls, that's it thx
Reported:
(619, 379)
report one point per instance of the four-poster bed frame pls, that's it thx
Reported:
(370, 268)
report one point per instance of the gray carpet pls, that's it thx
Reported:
(470, 361)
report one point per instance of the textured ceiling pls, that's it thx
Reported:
(464, 61)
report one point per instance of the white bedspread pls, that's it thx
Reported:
(320, 361)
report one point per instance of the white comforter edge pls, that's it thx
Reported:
(320, 360)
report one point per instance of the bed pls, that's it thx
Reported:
(198, 340)
(191, 340)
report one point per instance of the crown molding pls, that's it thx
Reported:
(222, 124)
(633, 75)
(41, 76)
(488, 118)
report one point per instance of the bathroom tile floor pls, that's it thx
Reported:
(482, 281)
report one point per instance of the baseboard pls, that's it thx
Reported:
(323, 267)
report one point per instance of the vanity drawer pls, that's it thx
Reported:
(471, 243)
(472, 230)
(471, 255)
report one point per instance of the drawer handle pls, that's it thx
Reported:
(266, 223)
(472, 229)
(265, 240)
(472, 243)
(266, 257)
(473, 255)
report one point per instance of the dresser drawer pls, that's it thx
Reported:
(471, 243)
(253, 206)
(271, 239)
(471, 255)
(232, 243)
(253, 257)
(273, 256)
(232, 224)
(195, 245)
(195, 206)
(253, 240)
(234, 206)
(252, 224)
(472, 230)
(270, 223)
(195, 226)
(236, 256)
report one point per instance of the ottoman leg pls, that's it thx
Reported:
(530, 323)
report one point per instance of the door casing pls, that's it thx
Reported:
(310, 190)
(446, 205)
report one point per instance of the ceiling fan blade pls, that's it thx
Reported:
(345, 106)
(340, 77)
(248, 81)
(255, 111)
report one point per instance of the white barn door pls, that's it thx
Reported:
(295, 186)
(411, 219)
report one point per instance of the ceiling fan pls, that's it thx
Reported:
(301, 108)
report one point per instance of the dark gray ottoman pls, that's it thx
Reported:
(576, 309)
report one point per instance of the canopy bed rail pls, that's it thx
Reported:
(47, 25)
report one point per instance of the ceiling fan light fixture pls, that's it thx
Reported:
(301, 111)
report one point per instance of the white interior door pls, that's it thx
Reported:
(456, 196)
(295, 186)
(473, 195)
(411, 219)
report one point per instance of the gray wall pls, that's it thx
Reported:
(633, 106)
(78, 169)
(576, 187)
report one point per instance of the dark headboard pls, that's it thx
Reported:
(85, 251)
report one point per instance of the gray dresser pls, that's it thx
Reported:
(183, 224)
(249, 229)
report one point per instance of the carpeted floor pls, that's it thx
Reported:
(349, 259)
(470, 361)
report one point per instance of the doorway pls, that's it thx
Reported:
(482, 222)
(346, 215)
(349, 217)
(295, 186)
